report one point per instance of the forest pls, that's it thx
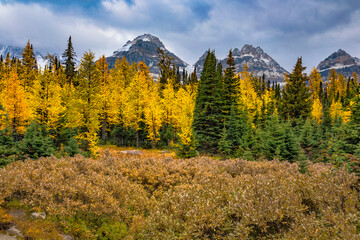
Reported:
(66, 110)
(245, 158)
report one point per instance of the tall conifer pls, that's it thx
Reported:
(296, 96)
(69, 58)
(231, 85)
(208, 107)
(28, 67)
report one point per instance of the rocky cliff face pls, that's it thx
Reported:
(144, 48)
(258, 62)
(342, 62)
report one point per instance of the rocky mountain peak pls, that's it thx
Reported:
(258, 62)
(144, 48)
(341, 61)
(236, 52)
(131, 45)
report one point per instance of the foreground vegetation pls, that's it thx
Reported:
(137, 197)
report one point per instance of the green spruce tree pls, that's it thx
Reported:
(295, 101)
(69, 59)
(208, 117)
(231, 86)
(37, 142)
(28, 68)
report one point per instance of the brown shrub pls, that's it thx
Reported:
(199, 198)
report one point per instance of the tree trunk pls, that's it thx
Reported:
(137, 138)
(103, 130)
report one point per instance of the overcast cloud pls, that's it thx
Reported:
(285, 29)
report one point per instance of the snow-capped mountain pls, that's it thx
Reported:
(16, 52)
(144, 48)
(342, 62)
(258, 62)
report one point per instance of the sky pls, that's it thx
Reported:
(285, 29)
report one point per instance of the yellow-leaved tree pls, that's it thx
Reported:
(338, 111)
(315, 86)
(248, 98)
(336, 88)
(17, 112)
(317, 110)
(184, 112)
(134, 102)
(109, 100)
(47, 100)
(315, 83)
(168, 102)
(88, 102)
(153, 112)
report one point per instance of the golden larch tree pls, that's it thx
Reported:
(47, 100)
(17, 112)
(315, 83)
(88, 102)
(109, 104)
(317, 110)
(248, 98)
(153, 113)
(184, 112)
(134, 102)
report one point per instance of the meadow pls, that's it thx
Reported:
(158, 196)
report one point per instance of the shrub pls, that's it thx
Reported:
(198, 198)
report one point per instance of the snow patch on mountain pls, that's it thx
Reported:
(342, 62)
(144, 48)
(257, 61)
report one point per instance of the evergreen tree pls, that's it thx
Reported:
(7, 147)
(166, 68)
(208, 107)
(311, 139)
(231, 85)
(69, 58)
(28, 67)
(72, 148)
(236, 130)
(279, 141)
(193, 77)
(225, 146)
(36, 142)
(296, 97)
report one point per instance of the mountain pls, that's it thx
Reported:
(342, 62)
(144, 48)
(258, 62)
(16, 52)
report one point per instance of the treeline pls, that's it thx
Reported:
(64, 110)
(239, 115)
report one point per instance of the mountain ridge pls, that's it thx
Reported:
(342, 62)
(144, 48)
(258, 62)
